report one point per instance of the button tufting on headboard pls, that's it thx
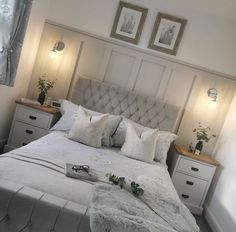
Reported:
(107, 98)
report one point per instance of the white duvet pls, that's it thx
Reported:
(19, 166)
(59, 149)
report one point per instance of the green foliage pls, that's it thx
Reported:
(44, 85)
(120, 181)
(136, 190)
(202, 133)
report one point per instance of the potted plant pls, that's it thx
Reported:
(202, 134)
(44, 85)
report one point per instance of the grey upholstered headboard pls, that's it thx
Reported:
(106, 98)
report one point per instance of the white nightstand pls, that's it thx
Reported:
(191, 176)
(30, 123)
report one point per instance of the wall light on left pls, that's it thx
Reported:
(58, 46)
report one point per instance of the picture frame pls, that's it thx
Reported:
(129, 22)
(167, 33)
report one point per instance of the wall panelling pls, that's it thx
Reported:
(148, 74)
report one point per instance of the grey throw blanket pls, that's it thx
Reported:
(115, 210)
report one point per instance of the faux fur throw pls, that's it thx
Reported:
(115, 210)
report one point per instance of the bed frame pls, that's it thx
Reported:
(145, 110)
(33, 210)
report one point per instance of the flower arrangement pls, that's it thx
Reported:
(202, 133)
(44, 85)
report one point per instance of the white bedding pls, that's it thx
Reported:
(40, 165)
(59, 149)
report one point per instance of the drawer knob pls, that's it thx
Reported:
(32, 117)
(185, 196)
(23, 144)
(29, 132)
(194, 169)
(189, 183)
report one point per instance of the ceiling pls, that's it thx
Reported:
(222, 8)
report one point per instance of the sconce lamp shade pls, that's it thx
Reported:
(212, 93)
(58, 46)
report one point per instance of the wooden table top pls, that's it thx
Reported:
(47, 109)
(202, 157)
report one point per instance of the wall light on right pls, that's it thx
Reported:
(213, 94)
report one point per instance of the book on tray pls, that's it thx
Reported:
(83, 172)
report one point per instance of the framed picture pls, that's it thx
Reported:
(167, 33)
(129, 22)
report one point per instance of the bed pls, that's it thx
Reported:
(35, 194)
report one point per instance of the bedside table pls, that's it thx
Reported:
(30, 122)
(191, 175)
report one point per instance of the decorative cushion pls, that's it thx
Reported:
(140, 144)
(69, 112)
(88, 129)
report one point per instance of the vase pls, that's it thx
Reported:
(198, 147)
(41, 98)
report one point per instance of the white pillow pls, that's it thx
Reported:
(140, 144)
(88, 129)
(69, 113)
(164, 140)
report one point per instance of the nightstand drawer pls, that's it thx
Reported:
(195, 168)
(190, 189)
(24, 134)
(33, 117)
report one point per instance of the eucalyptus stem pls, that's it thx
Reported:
(133, 188)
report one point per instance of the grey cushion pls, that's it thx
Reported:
(69, 112)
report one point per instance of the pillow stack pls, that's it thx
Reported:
(96, 129)
(162, 142)
(73, 116)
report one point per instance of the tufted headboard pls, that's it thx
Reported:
(106, 98)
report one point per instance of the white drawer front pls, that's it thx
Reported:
(24, 134)
(33, 117)
(195, 169)
(190, 189)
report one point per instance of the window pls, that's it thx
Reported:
(14, 16)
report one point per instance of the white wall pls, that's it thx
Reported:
(61, 67)
(9, 94)
(208, 41)
(221, 201)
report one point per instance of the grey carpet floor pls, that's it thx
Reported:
(201, 221)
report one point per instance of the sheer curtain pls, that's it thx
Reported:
(14, 16)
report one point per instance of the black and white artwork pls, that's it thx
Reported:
(129, 22)
(167, 33)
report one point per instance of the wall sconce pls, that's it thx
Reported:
(58, 46)
(213, 93)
